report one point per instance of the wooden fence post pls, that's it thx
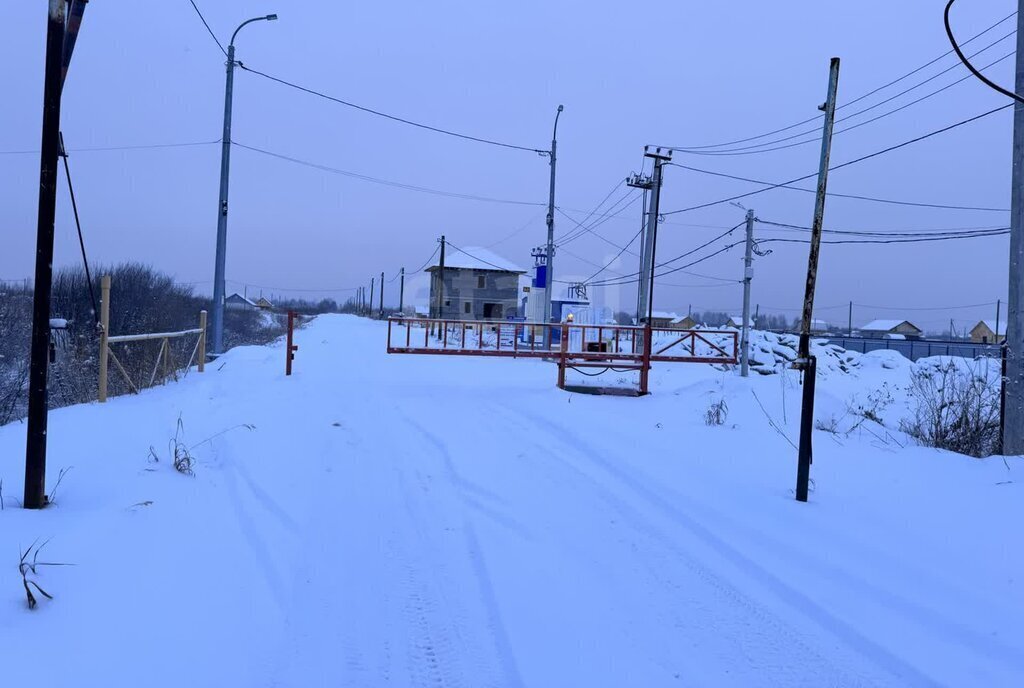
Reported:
(104, 334)
(202, 341)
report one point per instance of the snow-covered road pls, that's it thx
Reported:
(422, 521)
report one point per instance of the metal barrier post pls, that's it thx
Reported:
(645, 364)
(290, 348)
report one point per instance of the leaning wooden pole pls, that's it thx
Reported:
(202, 341)
(104, 335)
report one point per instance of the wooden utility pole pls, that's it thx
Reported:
(380, 313)
(105, 333)
(849, 321)
(35, 449)
(806, 362)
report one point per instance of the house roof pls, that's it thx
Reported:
(683, 318)
(887, 325)
(664, 315)
(991, 325)
(238, 297)
(475, 258)
(818, 324)
(738, 319)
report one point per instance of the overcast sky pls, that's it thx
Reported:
(665, 72)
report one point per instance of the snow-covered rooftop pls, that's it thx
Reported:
(885, 325)
(991, 324)
(666, 315)
(475, 258)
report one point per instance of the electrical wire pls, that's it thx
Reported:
(898, 240)
(967, 63)
(119, 148)
(720, 251)
(594, 210)
(851, 102)
(426, 263)
(815, 134)
(845, 164)
(212, 34)
(935, 231)
(385, 182)
(617, 256)
(690, 252)
(394, 118)
(81, 237)
(582, 229)
(486, 262)
(841, 195)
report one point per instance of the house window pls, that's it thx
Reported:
(447, 303)
(481, 281)
(467, 307)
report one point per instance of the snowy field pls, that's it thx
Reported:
(437, 521)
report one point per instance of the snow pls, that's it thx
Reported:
(475, 258)
(427, 520)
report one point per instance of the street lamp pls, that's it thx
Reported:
(217, 322)
(549, 283)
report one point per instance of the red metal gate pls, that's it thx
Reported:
(573, 346)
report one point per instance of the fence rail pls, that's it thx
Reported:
(163, 356)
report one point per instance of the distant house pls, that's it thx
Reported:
(477, 284)
(819, 326)
(663, 319)
(736, 321)
(264, 304)
(883, 328)
(985, 332)
(237, 302)
(684, 323)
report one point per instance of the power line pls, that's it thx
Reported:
(385, 182)
(517, 231)
(394, 118)
(692, 251)
(617, 255)
(896, 240)
(212, 34)
(425, 264)
(760, 147)
(673, 270)
(935, 231)
(594, 209)
(581, 228)
(855, 100)
(96, 149)
(845, 164)
(841, 195)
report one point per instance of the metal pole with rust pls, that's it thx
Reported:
(805, 362)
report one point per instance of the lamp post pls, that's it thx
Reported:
(217, 321)
(549, 273)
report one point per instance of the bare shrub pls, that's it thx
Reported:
(829, 424)
(717, 413)
(955, 407)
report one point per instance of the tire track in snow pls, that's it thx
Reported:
(499, 635)
(591, 455)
